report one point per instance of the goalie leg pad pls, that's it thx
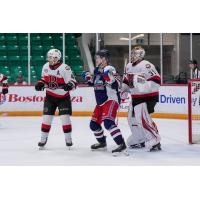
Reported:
(138, 135)
(145, 121)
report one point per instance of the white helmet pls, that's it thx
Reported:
(54, 54)
(137, 53)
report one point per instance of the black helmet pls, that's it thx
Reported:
(193, 62)
(103, 53)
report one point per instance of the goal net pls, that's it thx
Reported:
(194, 110)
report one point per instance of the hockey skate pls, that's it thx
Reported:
(153, 144)
(156, 147)
(99, 146)
(120, 149)
(69, 143)
(137, 146)
(42, 143)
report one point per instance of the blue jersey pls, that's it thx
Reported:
(105, 89)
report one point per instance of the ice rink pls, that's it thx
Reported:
(19, 137)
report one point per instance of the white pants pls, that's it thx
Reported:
(138, 135)
(142, 127)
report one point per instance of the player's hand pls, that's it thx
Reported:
(5, 89)
(39, 86)
(130, 78)
(69, 86)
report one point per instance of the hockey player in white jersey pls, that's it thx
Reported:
(58, 80)
(142, 80)
(4, 81)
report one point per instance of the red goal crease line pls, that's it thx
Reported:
(89, 113)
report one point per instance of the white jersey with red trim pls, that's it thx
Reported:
(3, 79)
(56, 77)
(142, 79)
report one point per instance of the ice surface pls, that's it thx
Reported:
(19, 137)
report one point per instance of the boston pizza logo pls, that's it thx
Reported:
(2, 98)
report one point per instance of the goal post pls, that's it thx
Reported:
(194, 111)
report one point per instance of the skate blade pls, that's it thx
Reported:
(69, 148)
(122, 153)
(42, 148)
(154, 150)
(101, 149)
(136, 147)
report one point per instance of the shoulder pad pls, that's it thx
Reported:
(46, 64)
(110, 68)
(66, 67)
(147, 64)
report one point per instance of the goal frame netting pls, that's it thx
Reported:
(193, 111)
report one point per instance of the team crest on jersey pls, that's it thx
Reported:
(45, 70)
(2, 98)
(53, 85)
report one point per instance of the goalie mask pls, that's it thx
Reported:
(53, 56)
(137, 53)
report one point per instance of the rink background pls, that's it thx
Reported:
(20, 135)
(78, 182)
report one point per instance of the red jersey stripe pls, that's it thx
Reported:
(145, 95)
(46, 126)
(57, 95)
(57, 79)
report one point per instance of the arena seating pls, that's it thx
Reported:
(14, 53)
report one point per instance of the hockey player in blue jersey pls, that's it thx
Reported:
(106, 83)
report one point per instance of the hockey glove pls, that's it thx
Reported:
(130, 80)
(86, 76)
(39, 86)
(69, 86)
(5, 88)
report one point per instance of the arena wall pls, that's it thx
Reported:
(25, 101)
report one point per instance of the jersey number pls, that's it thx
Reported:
(152, 72)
